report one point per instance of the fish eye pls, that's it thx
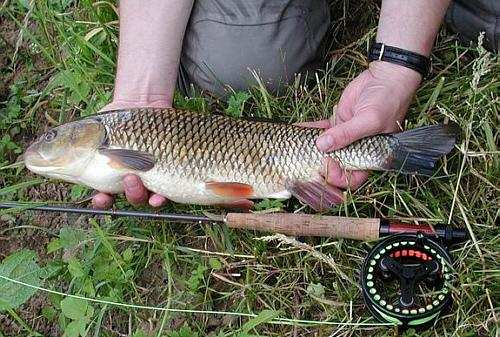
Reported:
(50, 136)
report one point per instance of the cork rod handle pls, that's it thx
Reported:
(307, 225)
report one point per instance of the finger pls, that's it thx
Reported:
(322, 124)
(135, 191)
(339, 177)
(343, 134)
(102, 201)
(157, 200)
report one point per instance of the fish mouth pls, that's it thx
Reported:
(33, 158)
(35, 162)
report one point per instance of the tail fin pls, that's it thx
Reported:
(419, 149)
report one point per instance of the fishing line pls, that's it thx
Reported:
(285, 321)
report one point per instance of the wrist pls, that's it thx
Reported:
(139, 101)
(395, 73)
(146, 98)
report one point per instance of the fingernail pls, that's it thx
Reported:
(96, 204)
(324, 142)
(101, 201)
(130, 182)
(156, 200)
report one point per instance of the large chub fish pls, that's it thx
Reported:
(211, 159)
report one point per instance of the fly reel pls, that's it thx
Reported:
(406, 280)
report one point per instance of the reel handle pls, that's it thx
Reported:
(307, 225)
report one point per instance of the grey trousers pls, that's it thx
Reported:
(471, 17)
(228, 42)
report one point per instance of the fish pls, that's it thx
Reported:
(210, 159)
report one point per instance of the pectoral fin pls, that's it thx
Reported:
(129, 159)
(318, 195)
(230, 189)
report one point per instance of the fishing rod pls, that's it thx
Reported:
(406, 278)
(365, 229)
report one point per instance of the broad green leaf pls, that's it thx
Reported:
(236, 103)
(68, 79)
(74, 308)
(78, 192)
(51, 269)
(88, 287)
(49, 313)
(25, 4)
(267, 204)
(20, 266)
(64, 78)
(316, 290)
(76, 328)
(196, 277)
(215, 263)
(189, 103)
(264, 317)
(75, 268)
(128, 254)
(53, 246)
(70, 237)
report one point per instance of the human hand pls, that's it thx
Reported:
(135, 192)
(374, 102)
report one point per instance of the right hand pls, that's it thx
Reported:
(135, 192)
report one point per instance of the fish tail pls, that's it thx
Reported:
(418, 150)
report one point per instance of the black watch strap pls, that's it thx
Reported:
(405, 58)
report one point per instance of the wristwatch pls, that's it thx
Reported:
(405, 58)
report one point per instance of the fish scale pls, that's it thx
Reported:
(263, 154)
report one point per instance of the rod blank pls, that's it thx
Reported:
(285, 223)
(134, 214)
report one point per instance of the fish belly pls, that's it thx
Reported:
(100, 175)
(193, 191)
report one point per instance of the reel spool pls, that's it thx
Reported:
(406, 280)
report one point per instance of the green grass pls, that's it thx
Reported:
(57, 63)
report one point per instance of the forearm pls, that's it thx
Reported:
(151, 34)
(411, 24)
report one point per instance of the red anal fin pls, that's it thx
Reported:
(230, 189)
(318, 195)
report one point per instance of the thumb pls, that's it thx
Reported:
(343, 134)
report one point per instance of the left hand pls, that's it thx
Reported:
(374, 102)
